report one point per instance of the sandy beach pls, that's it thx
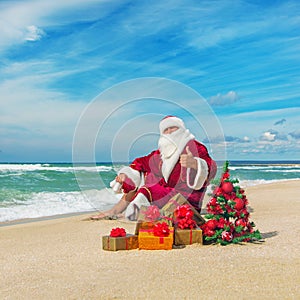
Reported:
(62, 258)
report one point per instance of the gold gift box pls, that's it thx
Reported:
(148, 241)
(143, 225)
(188, 236)
(178, 200)
(127, 242)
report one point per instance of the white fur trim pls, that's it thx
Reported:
(134, 175)
(201, 175)
(116, 186)
(169, 122)
(134, 206)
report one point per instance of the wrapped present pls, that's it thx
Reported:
(127, 242)
(149, 213)
(119, 240)
(144, 225)
(159, 237)
(178, 200)
(149, 216)
(188, 236)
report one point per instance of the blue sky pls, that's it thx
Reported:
(57, 57)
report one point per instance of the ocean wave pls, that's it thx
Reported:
(284, 170)
(269, 167)
(46, 204)
(247, 183)
(47, 167)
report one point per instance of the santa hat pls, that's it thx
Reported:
(170, 121)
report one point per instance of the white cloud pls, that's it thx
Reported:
(33, 33)
(22, 21)
(268, 136)
(222, 100)
(273, 135)
(246, 139)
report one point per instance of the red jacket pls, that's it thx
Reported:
(157, 190)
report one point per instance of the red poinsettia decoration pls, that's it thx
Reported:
(228, 215)
(117, 232)
(183, 217)
(161, 229)
(152, 213)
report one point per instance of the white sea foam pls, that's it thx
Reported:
(246, 183)
(47, 167)
(49, 204)
(285, 171)
(266, 167)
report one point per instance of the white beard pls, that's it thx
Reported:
(166, 146)
(171, 146)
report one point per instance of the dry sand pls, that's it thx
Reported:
(63, 259)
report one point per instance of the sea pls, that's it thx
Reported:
(35, 190)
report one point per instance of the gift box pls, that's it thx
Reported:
(188, 236)
(149, 241)
(127, 242)
(143, 225)
(178, 200)
(149, 216)
(149, 213)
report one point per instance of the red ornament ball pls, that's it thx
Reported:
(213, 202)
(227, 187)
(209, 232)
(227, 236)
(239, 203)
(241, 222)
(211, 224)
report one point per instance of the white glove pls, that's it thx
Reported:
(135, 205)
(116, 186)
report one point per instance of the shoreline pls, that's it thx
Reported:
(45, 218)
(71, 214)
(62, 258)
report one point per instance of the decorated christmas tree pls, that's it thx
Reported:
(227, 214)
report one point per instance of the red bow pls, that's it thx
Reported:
(184, 217)
(161, 229)
(152, 213)
(118, 232)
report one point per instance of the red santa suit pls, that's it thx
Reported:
(159, 176)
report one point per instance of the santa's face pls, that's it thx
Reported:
(170, 129)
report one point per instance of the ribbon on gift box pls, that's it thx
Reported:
(116, 236)
(152, 213)
(174, 202)
(183, 217)
(160, 230)
(179, 200)
(118, 232)
(150, 231)
(191, 236)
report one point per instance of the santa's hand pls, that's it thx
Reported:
(117, 183)
(121, 178)
(187, 160)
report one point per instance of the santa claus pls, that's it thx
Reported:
(179, 165)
